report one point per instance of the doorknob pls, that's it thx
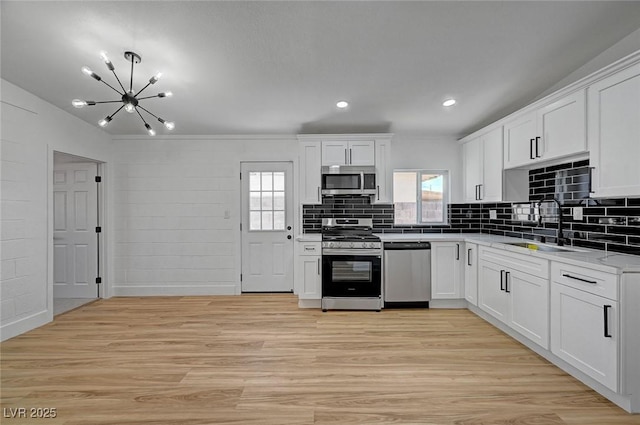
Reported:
(288, 236)
(288, 227)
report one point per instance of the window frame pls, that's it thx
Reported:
(446, 184)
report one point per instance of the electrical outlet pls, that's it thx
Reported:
(577, 213)
(227, 214)
(493, 214)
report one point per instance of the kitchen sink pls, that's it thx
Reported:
(539, 247)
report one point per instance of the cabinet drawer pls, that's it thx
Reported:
(522, 262)
(588, 280)
(309, 248)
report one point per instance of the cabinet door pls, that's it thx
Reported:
(472, 157)
(492, 297)
(492, 170)
(519, 140)
(335, 153)
(562, 127)
(310, 173)
(309, 277)
(362, 153)
(446, 270)
(578, 333)
(471, 273)
(614, 134)
(383, 173)
(529, 305)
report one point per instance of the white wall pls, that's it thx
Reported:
(31, 130)
(437, 153)
(171, 197)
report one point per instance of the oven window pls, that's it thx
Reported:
(351, 271)
(341, 181)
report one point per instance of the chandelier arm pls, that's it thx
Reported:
(113, 88)
(110, 101)
(117, 110)
(142, 89)
(147, 111)
(141, 117)
(147, 97)
(116, 75)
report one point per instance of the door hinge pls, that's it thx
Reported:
(240, 277)
(240, 176)
(98, 179)
(240, 226)
(98, 229)
(98, 280)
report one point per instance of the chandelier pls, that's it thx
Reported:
(129, 99)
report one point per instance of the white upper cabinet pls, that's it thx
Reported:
(352, 152)
(383, 172)
(310, 176)
(483, 168)
(614, 134)
(555, 130)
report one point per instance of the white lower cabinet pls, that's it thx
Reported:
(308, 271)
(585, 325)
(446, 270)
(471, 273)
(514, 289)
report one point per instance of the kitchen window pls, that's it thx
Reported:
(420, 197)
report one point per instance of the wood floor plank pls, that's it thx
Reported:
(259, 359)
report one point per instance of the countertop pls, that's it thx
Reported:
(609, 262)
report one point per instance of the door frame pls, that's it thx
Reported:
(102, 256)
(294, 215)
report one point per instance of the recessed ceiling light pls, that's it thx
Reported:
(342, 104)
(449, 102)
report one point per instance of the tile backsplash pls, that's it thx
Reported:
(607, 224)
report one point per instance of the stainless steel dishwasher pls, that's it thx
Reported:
(407, 274)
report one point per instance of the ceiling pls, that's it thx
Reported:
(270, 67)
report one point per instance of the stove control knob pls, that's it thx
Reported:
(351, 245)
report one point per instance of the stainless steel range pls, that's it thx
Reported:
(351, 265)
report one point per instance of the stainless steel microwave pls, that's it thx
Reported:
(348, 180)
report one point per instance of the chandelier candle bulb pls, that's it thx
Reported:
(155, 78)
(104, 122)
(106, 60)
(150, 130)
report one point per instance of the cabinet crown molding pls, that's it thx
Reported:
(580, 84)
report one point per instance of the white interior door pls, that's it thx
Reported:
(267, 226)
(74, 230)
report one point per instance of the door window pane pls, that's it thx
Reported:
(267, 200)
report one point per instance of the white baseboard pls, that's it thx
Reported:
(309, 303)
(155, 291)
(26, 324)
(461, 303)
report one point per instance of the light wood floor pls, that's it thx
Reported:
(258, 359)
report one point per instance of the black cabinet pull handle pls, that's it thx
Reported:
(593, 282)
(318, 266)
(346, 161)
(469, 256)
(502, 280)
(591, 179)
(458, 251)
(606, 321)
(537, 140)
(480, 192)
(506, 282)
(350, 156)
(531, 149)
(378, 191)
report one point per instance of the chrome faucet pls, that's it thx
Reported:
(560, 220)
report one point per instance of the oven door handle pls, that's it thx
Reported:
(352, 252)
